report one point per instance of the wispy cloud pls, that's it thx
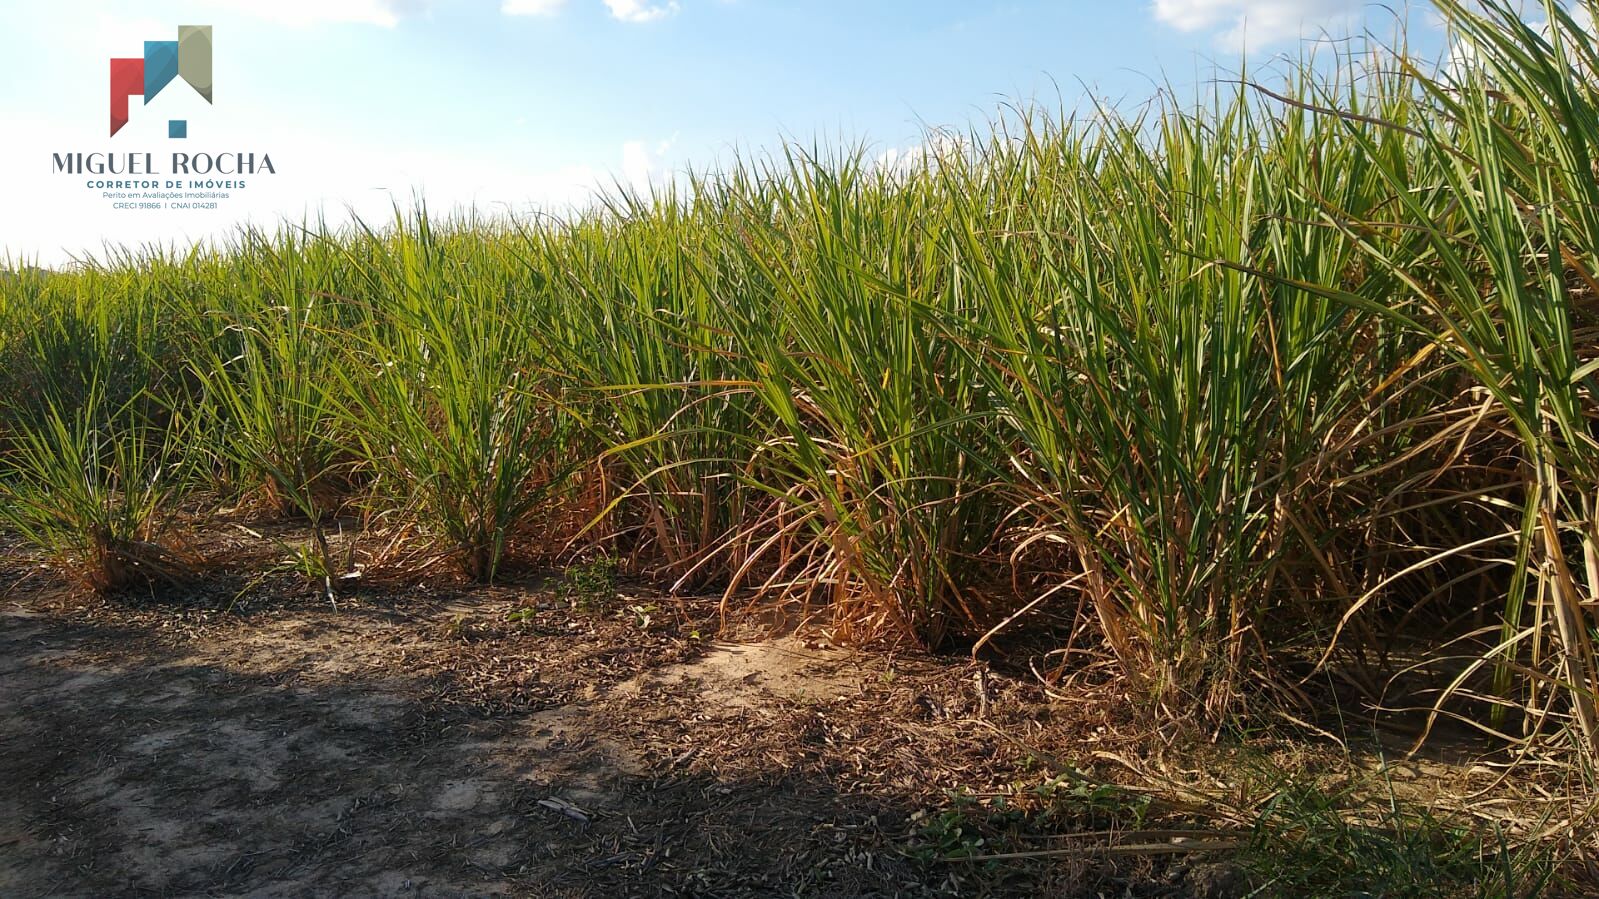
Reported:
(641, 10)
(1256, 22)
(623, 10)
(532, 7)
(384, 13)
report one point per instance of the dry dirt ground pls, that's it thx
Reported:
(243, 738)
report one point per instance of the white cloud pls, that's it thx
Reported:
(125, 37)
(385, 13)
(1464, 54)
(641, 10)
(531, 7)
(1256, 21)
(938, 147)
(642, 164)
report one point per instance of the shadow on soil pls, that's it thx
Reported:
(136, 765)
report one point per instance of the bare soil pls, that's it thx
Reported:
(239, 737)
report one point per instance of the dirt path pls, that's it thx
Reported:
(427, 746)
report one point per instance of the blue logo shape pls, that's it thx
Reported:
(160, 66)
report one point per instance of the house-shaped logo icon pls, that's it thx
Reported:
(188, 57)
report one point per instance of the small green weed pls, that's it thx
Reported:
(1312, 842)
(589, 586)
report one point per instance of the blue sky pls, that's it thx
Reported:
(519, 103)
